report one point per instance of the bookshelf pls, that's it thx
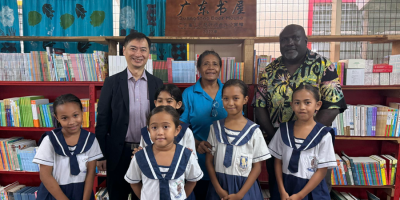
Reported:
(353, 146)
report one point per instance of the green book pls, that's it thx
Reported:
(49, 115)
(43, 123)
(2, 116)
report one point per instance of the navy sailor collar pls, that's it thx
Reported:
(146, 135)
(60, 146)
(242, 138)
(312, 140)
(149, 167)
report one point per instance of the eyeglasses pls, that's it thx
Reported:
(214, 111)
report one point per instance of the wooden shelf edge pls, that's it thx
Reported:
(50, 83)
(360, 138)
(69, 83)
(33, 173)
(211, 40)
(39, 129)
(340, 137)
(19, 172)
(371, 87)
(97, 39)
(365, 186)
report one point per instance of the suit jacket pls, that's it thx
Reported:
(113, 114)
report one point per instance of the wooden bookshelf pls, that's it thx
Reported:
(375, 138)
(50, 83)
(371, 87)
(34, 129)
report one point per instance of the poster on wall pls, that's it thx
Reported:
(211, 18)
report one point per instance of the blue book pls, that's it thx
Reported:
(31, 195)
(353, 169)
(369, 173)
(393, 134)
(369, 121)
(24, 195)
(46, 118)
(17, 194)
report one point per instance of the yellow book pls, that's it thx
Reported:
(382, 165)
(394, 168)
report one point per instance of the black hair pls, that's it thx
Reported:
(206, 53)
(238, 83)
(175, 93)
(297, 27)
(305, 86)
(136, 36)
(168, 109)
(66, 98)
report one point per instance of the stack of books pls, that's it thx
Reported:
(53, 65)
(33, 111)
(102, 194)
(231, 69)
(170, 71)
(18, 192)
(372, 170)
(260, 63)
(364, 72)
(335, 195)
(266, 194)
(17, 154)
(369, 120)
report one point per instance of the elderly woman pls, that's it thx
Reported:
(203, 105)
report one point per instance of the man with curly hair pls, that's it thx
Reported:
(281, 77)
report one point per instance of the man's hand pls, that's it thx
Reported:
(204, 147)
(135, 150)
(102, 165)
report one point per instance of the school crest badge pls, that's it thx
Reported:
(313, 164)
(179, 189)
(243, 162)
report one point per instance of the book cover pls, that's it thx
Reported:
(353, 169)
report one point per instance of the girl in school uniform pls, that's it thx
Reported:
(163, 170)
(170, 95)
(67, 156)
(238, 147)
(303, 150)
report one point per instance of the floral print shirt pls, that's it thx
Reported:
(277, 85)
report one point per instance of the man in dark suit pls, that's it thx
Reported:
(125, 101)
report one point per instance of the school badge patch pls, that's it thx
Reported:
(179, 189)
(313, 163)
(243, 162)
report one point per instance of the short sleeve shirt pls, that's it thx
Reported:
(255, 150)
(192, 173)
(61, 167)
(320, 156)
(277, 85)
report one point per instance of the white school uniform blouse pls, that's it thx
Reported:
(69, 173)
(248, 148)
(163, 182)
(302, 157)
(184, 138)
